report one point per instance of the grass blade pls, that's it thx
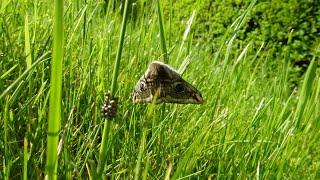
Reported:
(119, 52)
(186, 33)
(27, 42)
(6, 164)
(141, 150)
(106, 129)
(26, 72)
(305, 91)
(25, 159)
(162, 37)
(55, 92)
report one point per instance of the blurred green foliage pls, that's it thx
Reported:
(269, 21)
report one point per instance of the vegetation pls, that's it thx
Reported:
(269, 21)
(253, 124)
(55, 92)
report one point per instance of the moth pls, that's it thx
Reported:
(162, 84)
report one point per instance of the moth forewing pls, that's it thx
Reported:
(161, 83)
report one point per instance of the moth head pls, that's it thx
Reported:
(161, 83)
(141, 93)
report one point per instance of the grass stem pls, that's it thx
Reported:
(107, 124)
(55, 92)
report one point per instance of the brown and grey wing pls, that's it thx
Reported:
(163, 84)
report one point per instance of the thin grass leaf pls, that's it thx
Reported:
(8, 72)
(5, 161)
(186, 33)
(84, 10)
(162, 34)
(26, 157)
(240, 57)
(27, 42)
(139, 158)
(26, 72)
(146, 169)
(184, 65)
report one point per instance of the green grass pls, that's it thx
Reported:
(252, 125)
(55, 100)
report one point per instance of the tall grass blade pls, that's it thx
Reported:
(240, 57)
(27, 42)
(168, 172)
(25, 159)
(305, 91)
(185, 34)
(184, 65)
(146, 169)
(55, 92)
(119, 51)
(141, 150)
(163, 44)
(162, 34)
(106, 129)
(5, 162)
(70, 39)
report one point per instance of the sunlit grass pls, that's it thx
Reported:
(247, 127)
